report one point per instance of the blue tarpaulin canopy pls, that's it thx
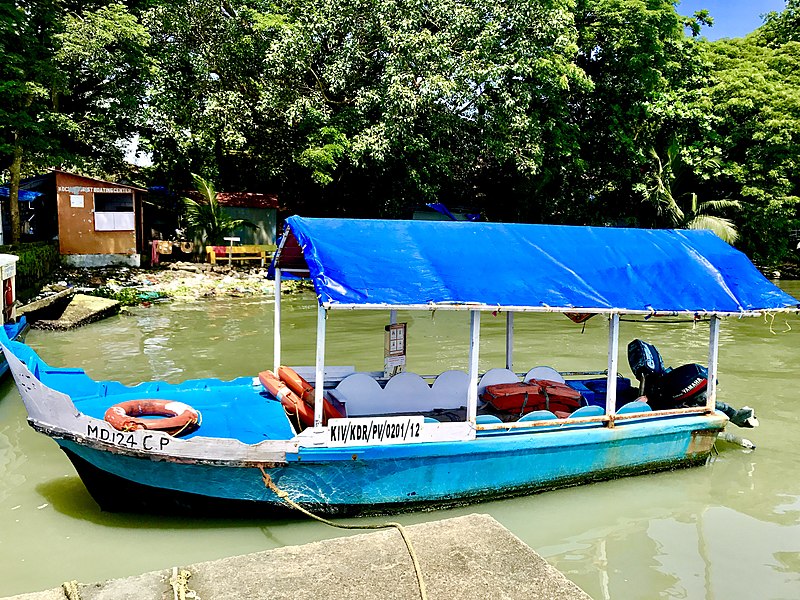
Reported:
(364, 263)
(24, 195)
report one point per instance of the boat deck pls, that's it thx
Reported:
(241, 409)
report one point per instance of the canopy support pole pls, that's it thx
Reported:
(474, 344)
(276, 338)
(713, 361)
(613, 356)
(319, 377)
(510, 341)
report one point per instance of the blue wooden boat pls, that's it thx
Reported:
(365, 442)
(13, 328)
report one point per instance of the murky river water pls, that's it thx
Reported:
(730, 529)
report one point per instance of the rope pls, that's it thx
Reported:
(71, 590)
(284, 496)
(179, 582)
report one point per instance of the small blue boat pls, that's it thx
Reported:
(343, 442)
(13, 328)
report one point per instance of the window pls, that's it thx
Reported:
(113, 212)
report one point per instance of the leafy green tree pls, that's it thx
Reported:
(26, 126)
(700, 216)
(782, 27)
(643, 70)
(366, 107)
(752, 108)
(72, 81)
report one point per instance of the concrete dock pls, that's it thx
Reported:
(68, 310)
(470, 557)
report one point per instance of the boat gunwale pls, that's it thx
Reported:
(289, 449)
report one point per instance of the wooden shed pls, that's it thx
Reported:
(97, 222)
(259, 209)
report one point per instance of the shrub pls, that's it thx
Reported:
(37, 261)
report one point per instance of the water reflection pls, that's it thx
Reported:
(730, 529)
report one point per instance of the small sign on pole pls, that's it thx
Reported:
(231, 240)
(394, 349)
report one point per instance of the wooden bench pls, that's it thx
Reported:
(240, 253)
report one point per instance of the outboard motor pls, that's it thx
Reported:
(647, 365)
(683, 387)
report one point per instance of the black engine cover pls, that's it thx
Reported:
(682, 387)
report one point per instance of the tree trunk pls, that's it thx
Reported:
(13, 191)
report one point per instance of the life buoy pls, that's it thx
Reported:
(178, 418)
(306, 393)
(291, 402)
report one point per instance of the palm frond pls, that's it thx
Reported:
(717, 205)
(205, 188)
(724, 228)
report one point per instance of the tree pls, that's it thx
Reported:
(752, 107)
(782, 27)
(72, 83)
(642, 68)
(26, 41)
(366, 107)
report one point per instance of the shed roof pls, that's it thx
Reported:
(247, 200)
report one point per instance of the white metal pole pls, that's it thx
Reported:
(319, 378)
(474, 344)
(613, 355)
(713, 361)
(510, 341)
(276, 338)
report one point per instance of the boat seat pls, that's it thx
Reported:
(495, 376)
(450, 389)
(537, 415)
(634, 407)
(360, 393)
(405, 392)
(547, 373)
(588, 411)
(487, 419)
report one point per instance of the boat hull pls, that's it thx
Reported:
(150, 470)
(357, 481)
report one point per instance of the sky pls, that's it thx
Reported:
(732, 18)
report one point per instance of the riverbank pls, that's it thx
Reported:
(468, 557)
(176, 281)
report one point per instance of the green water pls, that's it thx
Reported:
(730, 529)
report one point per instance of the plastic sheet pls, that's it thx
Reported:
(403, 263)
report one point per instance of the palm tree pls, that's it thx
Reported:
(206, 222)
(669, 175)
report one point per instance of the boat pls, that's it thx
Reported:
(13, 328)
(338, 441)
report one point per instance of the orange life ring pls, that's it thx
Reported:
(178, 418)
(306, 392)
(290, 401)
